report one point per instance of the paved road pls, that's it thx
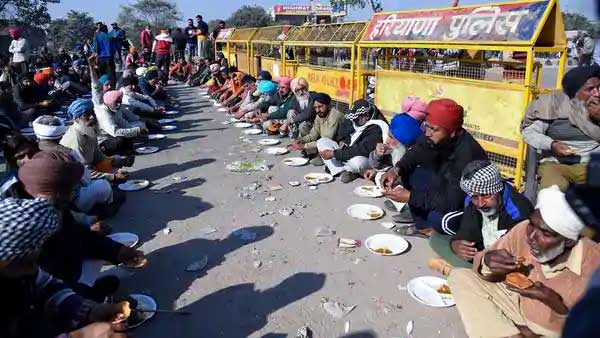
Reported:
(191, 191)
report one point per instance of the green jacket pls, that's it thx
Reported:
(283, 108)
(323, 128)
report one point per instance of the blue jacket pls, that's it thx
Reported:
(104, 46)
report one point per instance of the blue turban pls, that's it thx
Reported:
(405, 129)
(104, 79)
(151, 74)
(267, 87)
(79, 107)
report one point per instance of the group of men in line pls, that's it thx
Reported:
(441, 185)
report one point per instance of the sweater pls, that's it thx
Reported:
(324, 127)
(104, 46)
(283, 108)
(363, 146)
(18, 49)
(514, 209)
(113, 124)
(446, 162)
(146, 39)
(87, 149)
(162, 44)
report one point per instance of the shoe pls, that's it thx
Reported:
(404, 217)
(390, 206)
(317, 161)
(347, 177)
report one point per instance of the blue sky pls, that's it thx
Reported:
(107, 10)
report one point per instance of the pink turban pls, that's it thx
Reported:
(285, 81)
(15, 32)
(112, 98)
(414, 107)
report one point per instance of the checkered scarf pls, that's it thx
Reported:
(24, 226)
(485, 181)
(360, 107)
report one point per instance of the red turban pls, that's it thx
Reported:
(15, 32)
(445, 113)
(41, 78)
(285, 81)
(49, 172)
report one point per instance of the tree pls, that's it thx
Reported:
(131, 24)
(375, 5)
(579, 22)
(156, 13)
(32, 13)
(250, 16)
(75, 28)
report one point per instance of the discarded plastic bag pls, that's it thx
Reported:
(243, 166)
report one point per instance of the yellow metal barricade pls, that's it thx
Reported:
(326, 56)
(482, 56)
(221, 42)
(239, 49)
(267, 52)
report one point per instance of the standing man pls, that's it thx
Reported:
(179, 40)
(146, 37)
(19, 50)
(118, 36)
(105, 48)
(587, 50)
(190, 47)
(162, 49)
(202, 34)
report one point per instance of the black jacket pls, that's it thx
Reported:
(515, 208)
(363, 146)
(447, 163)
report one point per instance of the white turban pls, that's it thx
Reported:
(557, 213)
(47, 127)
(141, 71)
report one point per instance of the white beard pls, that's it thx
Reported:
(550, 254)
(303, 100)
(92, 131)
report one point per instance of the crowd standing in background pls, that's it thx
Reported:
(437, 179)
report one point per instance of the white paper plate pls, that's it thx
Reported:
(168, 127)
(268, 142)
(242, 125)
(146, 150)
(146, 303)
(222, 109)
(125, 238)
(253, 131)
(396, 244)
(318, 178)
(27, 131)
(233, 120)
(276, 151)
(365, 211)
(134, 185)
(216, 104)
(424, 290)
(172, 112)
(166, 121)
(371, 191)
(295, 161)
(156, 136)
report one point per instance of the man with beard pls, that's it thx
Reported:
(348, 154)
(300, 118)
(278, 109)
(82, 137)
(492, 208)
(326, 125)
(19, 49)
(550, 253)
(564, 126)
(427, 178)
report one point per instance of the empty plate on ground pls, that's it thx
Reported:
(318, 178)
(242, 125)
(125, 238)
(172, 112)
(365, 211)
(295, 161)
(276, 150)
(253, 131)
(222, 109)
(217, 104)
(165, 121)
(147, 150)
(169, 127)
(134, 185)
(386, 244)
(156, 136)
(268, 142)
(371, 191)
(144, 302)
(432, 291)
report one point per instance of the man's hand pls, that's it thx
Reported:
(545, 295)
(101, 330)
(131, 257)
(326, 154)
(296, 145)
(389, 179)
(370, 174)
(93, 60)
(560, 149)
(381, 149)
(463, 249)
(121, 176)
(264, 117)
(105, 312)
(398, 194)
(500, 262)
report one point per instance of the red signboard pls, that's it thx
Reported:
(225, 33)
(507, 22)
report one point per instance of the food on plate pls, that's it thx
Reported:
(369, 189)
(323, 179)
(374, 213)
(383, 250)
(138, 182)
(518, 280)
(123, 314)
(445, 289)
(311, 178)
